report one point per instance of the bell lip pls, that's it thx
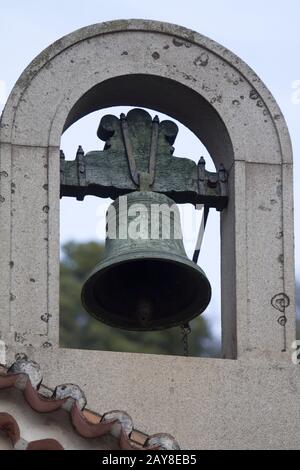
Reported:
(122, 258)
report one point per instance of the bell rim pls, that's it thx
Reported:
(140, 256)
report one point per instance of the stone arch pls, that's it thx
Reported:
(204, 86)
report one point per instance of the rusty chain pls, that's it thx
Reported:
(185, 332)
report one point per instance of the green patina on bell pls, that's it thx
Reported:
(145, 280)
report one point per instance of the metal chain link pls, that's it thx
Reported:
(185, 331)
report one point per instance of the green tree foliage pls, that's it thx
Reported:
(79, 330)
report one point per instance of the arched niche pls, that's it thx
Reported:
(216, 95)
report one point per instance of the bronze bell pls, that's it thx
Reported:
(145, 280)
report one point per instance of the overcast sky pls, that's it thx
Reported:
(265, 34)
